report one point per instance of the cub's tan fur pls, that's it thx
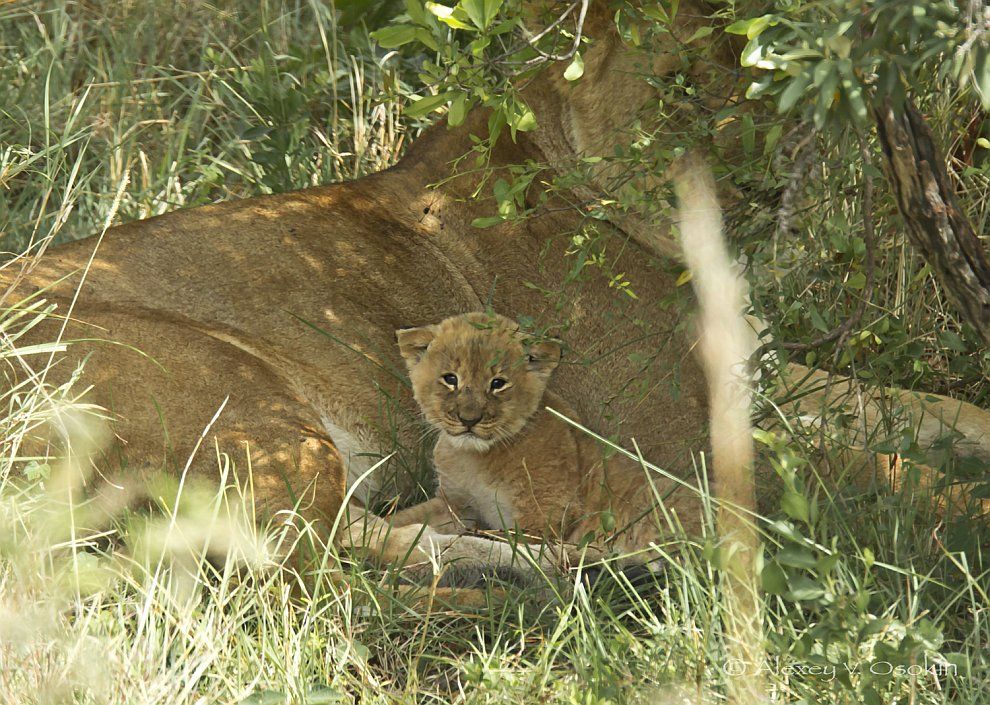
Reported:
(504, 462)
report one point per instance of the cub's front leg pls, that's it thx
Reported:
(438, 514)
(464, 561)
(453, 560)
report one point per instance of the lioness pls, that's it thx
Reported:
(278, 312)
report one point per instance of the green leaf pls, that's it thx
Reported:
(794, 90)
(324, 696)
(787, 529)
(751, 27)
(739, 27)
(802, 588)
(576, 68)
(265, 697)
(486, 222)
(37, 471)
(414, 8)
(491, 11)
(840, 44)
(394, 36)
(852, 91)
(458, 109)
(700, 33)
(826, 564)
(952, 341)
(816, 319)
(608, 521)
(479, 45)
(822, 70)
(426, 38)
(751, 54)
(451, 16)
(857, 281)
(826, 97)
(748, 134)
(795, 506)
(981, 75)
(767, 438)
(759, 86)
(871, 696)
(796, 557)
(656, 12)
(501, 190)
(481, 12)
(773, 136)
(427, 104)
(475, 10)
(524, 120)
(774, 579)
(321, 695)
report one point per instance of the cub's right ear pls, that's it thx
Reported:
(543, 357)
(413, 343)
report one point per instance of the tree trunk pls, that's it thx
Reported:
(935, 223)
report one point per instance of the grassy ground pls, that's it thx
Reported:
(867, 598)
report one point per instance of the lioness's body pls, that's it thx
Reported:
(215, 299)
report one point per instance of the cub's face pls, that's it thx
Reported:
(476, 377)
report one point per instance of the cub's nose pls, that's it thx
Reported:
(469, 421)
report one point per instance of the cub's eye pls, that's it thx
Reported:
(450, 380)
(498, 383)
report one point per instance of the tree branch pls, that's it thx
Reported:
(935, 223)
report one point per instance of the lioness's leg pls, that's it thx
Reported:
(438, 514)
(871, 418)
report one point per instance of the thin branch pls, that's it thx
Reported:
(575, 45)
(550, 27)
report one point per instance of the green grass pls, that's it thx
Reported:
(197, 102)
(201, 102)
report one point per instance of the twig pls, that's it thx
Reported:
(575, 45)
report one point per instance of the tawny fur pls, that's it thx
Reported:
(203, 304)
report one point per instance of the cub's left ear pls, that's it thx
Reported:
(413, 343)
(543, 357)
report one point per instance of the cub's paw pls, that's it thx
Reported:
(572, 556)
(387, 545)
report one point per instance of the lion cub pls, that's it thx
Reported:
(504, 462)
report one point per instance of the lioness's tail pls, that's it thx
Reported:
(726, 344)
